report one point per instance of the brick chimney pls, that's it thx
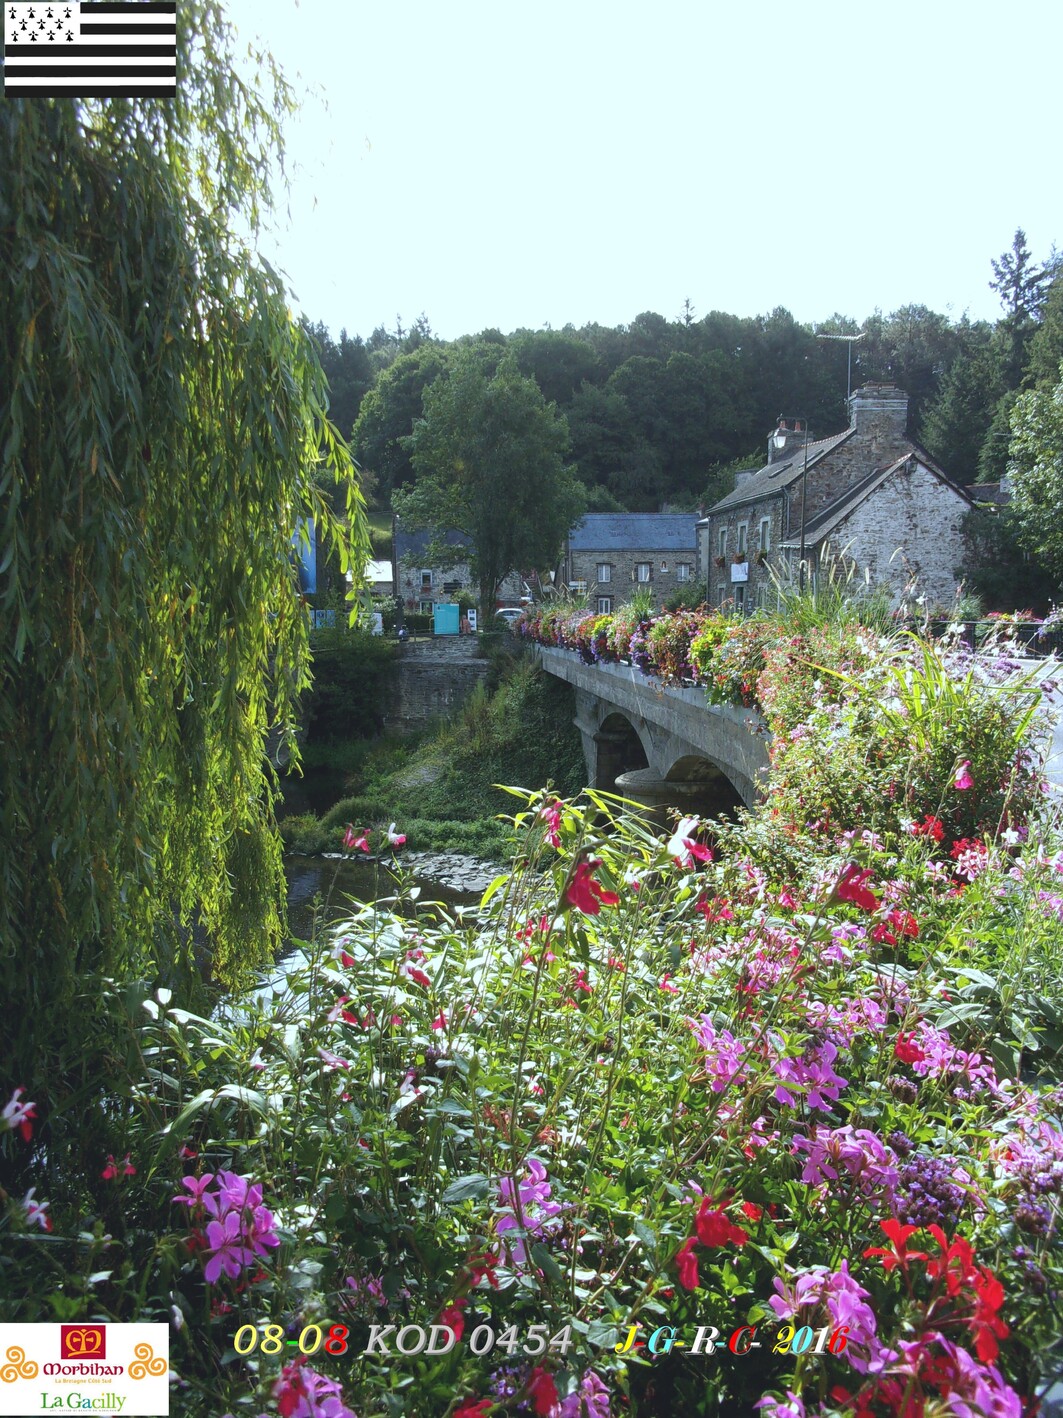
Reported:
(879, 413)
(789, 435)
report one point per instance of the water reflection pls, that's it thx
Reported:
(338, 881)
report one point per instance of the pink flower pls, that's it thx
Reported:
(963, 778)
(550, 813)
(18, 1115)
(417, 976)
(301, 1392)
(682, 845)
(396, 839)
(353, 843)
(196, 1186)
(667, 986)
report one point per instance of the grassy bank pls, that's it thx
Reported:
(516, 729)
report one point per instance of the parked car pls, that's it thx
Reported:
(509, 614)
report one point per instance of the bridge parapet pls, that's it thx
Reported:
(629, 721)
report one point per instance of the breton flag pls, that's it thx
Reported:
(92, 49)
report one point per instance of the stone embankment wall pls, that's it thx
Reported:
(432, 680)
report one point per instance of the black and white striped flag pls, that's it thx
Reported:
(92, 49)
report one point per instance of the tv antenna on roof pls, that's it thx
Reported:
(851, 341)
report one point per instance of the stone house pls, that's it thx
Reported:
(421, 586)
(609, 556)
(868, 494)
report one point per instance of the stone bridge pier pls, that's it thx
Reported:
(663, 747)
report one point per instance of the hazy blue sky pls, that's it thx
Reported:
(493, 164)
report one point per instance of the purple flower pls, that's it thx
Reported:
(812, 1074)
(789, 1407)
(845, 1302)
(591, 1399)
(856, 1151)
(226, 1240)
(723, 1054)
(534, 1209)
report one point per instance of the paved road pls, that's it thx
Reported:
(1052, 669)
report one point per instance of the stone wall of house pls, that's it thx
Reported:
(910, 525)
(848, 464)
(447, 585)
(622, 583)
(720, 585)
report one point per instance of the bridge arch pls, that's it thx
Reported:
(620, 750)
(709, 782)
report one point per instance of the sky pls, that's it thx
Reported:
(529, 165)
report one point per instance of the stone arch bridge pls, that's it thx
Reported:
(667, 747)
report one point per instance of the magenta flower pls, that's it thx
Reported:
(963, 778)
(301, 1392)
(396, 839)
(196, 1186)
(231, 1254)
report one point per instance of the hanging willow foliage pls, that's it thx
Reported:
(162, 430)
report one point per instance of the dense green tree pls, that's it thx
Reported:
(489, 457)
(163, 420)
(558, 360)
(349, 371)
(955, 425)
(1021, 285)
(1046, 345)
(385, 421)
(1035, 475)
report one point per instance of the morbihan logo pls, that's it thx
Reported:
(102, 1368)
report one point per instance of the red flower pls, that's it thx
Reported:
(852, 887)
(929, 827)
(754, 1213)
(897, 1252)
(904, 923)
(717, 910)
(686, 1263)
(111, 1170)
(480, 1268)
(542, 1391)
(452, 1316)
(418, 977)
(907, 1051)
(353, 843)
(473, 1410)
(986, 1324)
(713, 1227)
(883, 934)
(586, 894)
(955, 1262)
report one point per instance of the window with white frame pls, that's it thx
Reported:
(765, 534)
(683, 570)
(643, 571)
(426, 608)
(426, 580)
(722, 543)
(743, 537)
(664, 566)
(605, 605)
(605, 571)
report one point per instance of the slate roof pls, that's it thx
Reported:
(411, 546)
(818, 528)
(772, 477)
(635, 531)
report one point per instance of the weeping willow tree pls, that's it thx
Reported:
(163, 436)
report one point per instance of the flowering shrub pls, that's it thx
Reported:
(805, 1080)
(669, 638)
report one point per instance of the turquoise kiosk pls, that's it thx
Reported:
(447, 619)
